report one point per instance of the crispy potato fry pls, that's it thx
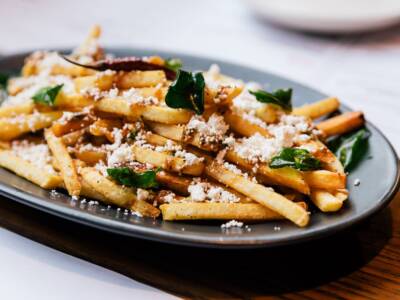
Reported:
(222, 95)
(119, 107)
(177, 133)
(166, 115)
(91, 157)
(15, 110)
(4, 145)
(117, 194)
(342, 124)
(268, 113)
(326, 201)
(28, 170)
(138, 79)
(73, 101)
(219, 211)
(11, 128)
(243, 126)
(104, 127)
(284, 176)
(65, 163)
(318, 109)
(259, 193)
(73, 137)
(175, 183)
(166, 161)
(323, 179)
(75, 124)
(102, 81)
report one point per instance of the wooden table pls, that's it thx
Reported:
(360, 263)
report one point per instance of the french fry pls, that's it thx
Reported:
(138, 79)
(243, 126)
(166, 161)
(11, 128)
(166, 115)
(219, 211)
(175, 183)
(342, 124)
(76, 123)
(28, 170)
(318, 109)
(15, 110)
(326, 201)
(116, 194)
(284, 176)
(73, 137)
(90, 46)
(4, 145)
(72, 101)
(91, 157)
(102, 81)
(119, 107)
(268, 113)
(259, 193)
(65, 163)
(104, 127)
(177, 133)
(323, 179)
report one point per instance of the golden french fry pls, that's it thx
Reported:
(73, 137)
(116, 194)
(243, 126)
(219, 211)
(167, 161)
(342, 124)
(318, 109)
(326, 201)
(323, 179)
(138, 79)
(176, 183)
(119, 107)
(177, 133)
(15, 110)
(167, 115)
(259, 193)
(28, 170)
(268, 113)
(102, 81)
(11, 128)
(91, 157)
(284, 176)
(73, 101)
(65, 163)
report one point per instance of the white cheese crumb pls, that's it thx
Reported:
(232, 223)
(357, 182)
(142, 195)
(205, 191)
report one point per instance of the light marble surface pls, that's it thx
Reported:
(361, 70)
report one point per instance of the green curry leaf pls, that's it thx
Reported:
(187, 91)
(296, 158)
(128, 177)
(47, 95)
(280, 97)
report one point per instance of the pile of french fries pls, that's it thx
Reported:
(90, 122)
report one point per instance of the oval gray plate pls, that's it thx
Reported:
(379, 175)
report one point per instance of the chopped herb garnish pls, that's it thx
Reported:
(187, 92)
(174, 64)
(350, 148)
(300, 159)
(47, 95)
(280, 97)
(132, 135)
(3, 81)
(128, 177)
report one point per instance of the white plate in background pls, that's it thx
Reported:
(329, 16)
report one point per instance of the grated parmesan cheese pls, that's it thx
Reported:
(205, 191)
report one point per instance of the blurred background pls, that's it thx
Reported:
(345, 48)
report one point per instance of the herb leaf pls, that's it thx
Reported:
(280, 97)
(128, 177)
(47, 95)
(3, 81)
(350, 148)
(174, 64)
(187, 92)
(296, 158)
